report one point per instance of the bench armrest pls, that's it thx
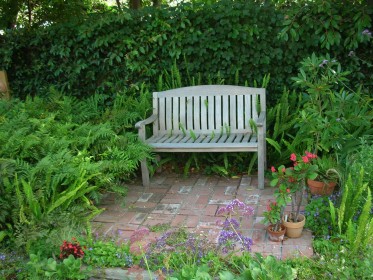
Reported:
(149, 120)
(141, 126)
(262, 119)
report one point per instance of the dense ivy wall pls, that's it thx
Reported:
(108, 52)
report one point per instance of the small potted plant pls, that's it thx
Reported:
(327, 177)
(276, 230)
(291, 183)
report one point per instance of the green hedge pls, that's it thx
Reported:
(238, 40)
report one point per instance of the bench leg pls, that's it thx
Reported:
(145, 174)
(261, 161)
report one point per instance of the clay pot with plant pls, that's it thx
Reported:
(291, 184)
(327, 178)
(272, 217)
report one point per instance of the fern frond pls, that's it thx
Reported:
(361, 234)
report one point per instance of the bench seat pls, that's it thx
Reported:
(235, 142)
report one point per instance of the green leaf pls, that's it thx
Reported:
(274, 144)
(226, 275)
(274, 182)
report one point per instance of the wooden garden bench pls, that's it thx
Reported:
(211, 118)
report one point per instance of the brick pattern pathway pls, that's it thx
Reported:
(193, 203)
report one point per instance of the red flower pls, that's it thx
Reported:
(71, 248)
(291, 180)
(310, 155)
(305, 159)
(287, 190)
(273, 169)
(270, 204)
(293, 157)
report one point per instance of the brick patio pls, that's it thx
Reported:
(193, 203)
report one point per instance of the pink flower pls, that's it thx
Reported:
(293, 157)
(305, 159)
(273, 169)
(283, 170)
(287, 190)
(310, 155)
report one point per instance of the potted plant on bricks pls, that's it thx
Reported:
(275, 229)
(327, 177)
(291, 183)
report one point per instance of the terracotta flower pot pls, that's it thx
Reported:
(321, 188)
(294, 229)
(276, 236)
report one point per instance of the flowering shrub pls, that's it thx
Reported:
(292, 180)
(231, 234)
(273, 215)
(71, 248)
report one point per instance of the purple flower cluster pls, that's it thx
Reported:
(236, 206)
(162, 240)
(230, 235)
(228, 239)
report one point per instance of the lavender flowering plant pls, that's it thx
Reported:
(231, 234)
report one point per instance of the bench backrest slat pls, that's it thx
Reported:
(207, 109)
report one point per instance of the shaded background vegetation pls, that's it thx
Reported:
(109, 50)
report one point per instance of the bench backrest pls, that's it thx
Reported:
(207, 109)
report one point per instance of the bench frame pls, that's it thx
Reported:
(211, 118)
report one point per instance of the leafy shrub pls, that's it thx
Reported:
(333, 261)
(362, 160)
(110, 52)
(43, 268)
(260, 267)
(333, 117)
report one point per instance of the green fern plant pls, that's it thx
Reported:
(60, 153)
(352, 197)
(359, 234)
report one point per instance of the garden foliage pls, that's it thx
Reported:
(110, 51)
(57, 155)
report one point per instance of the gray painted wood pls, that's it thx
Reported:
(213, 118)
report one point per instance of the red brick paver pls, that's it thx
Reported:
(193, 203)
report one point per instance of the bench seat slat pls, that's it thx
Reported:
(204, 139)
(209, 138)
(239, 137)
(158, 138)
(204, 147)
